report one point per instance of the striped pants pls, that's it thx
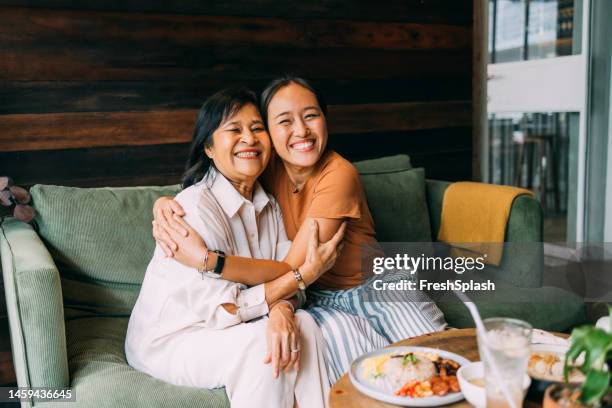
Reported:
(358, 320)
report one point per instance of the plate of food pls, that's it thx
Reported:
(409, 376)
(545, 367)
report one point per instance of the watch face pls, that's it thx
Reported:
(220, 262)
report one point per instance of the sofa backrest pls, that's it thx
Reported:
(100, 238)
(397, 199)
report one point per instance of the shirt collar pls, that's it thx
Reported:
(231, 200)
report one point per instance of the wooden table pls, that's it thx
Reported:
(460, 341)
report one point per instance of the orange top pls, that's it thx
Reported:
(334, 191)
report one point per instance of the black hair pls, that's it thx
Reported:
(277, 84)
(213, 112)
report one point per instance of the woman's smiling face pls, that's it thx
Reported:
(241, 146)
(297, 126)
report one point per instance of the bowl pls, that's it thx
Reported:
(476, 394)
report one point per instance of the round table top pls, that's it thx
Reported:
(460, 341)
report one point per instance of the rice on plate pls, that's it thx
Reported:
(412, 374)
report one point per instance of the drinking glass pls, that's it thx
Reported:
(507, 342)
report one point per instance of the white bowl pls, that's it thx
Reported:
(475, 394)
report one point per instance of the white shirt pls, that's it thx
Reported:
(175, 297)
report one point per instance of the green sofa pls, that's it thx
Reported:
(72, 280)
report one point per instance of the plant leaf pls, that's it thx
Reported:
(21, 194)
(577, 346)
(595, 386)
(5, 198)
(5, 182)
(24, 213)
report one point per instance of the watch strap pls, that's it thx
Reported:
(220, 261)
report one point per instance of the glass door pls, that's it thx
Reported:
(537, 87)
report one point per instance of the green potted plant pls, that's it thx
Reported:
(590, 352)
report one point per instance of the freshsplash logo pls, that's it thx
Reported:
(413, 264)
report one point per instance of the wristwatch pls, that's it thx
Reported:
(298, 277)
(220, 261)
(218, 268)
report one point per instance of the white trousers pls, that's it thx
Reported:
(233, 358)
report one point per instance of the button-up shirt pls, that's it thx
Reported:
(175, 297)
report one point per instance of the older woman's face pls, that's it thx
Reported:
(297, 125)
(241, 146)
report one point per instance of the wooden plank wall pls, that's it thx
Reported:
(106, 92)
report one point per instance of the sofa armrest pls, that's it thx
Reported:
(35, 307)
(523, 260)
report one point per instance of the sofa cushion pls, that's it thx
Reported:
(398, 205)
(101, 376)
(398, 162)
(100, 239)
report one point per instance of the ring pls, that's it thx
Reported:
(296, 350)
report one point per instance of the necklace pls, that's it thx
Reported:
(295, 187)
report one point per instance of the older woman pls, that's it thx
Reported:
(311, 182)
(191, 326)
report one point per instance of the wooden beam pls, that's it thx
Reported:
(23, 132)
(111, 96)
(430, 11)
(26, 27)
(399, 116)
(194, 62)
(103, 166)
(164, 164)
(51, 45)
(480, 140)
(94, 129)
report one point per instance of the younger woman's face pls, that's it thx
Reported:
(297, 126)
(241, 146)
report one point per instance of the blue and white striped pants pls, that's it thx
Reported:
(354, 321)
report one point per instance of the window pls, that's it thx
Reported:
(521, 30)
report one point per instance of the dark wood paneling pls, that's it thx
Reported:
(94, 129)
(105, 96)
(98, 129)
(114, 166)
(417, 142)
(420, 11)
(113, 86)
(158, 62)
(399, 116)
(61, 45)
(27, 28)
(445, 154)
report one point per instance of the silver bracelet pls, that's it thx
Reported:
(298, 277)
(204, 270)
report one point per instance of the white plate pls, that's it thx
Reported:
(362, 385)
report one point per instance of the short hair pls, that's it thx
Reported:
(213, 112)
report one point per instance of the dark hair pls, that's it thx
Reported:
(213, 112)
(277, 84)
